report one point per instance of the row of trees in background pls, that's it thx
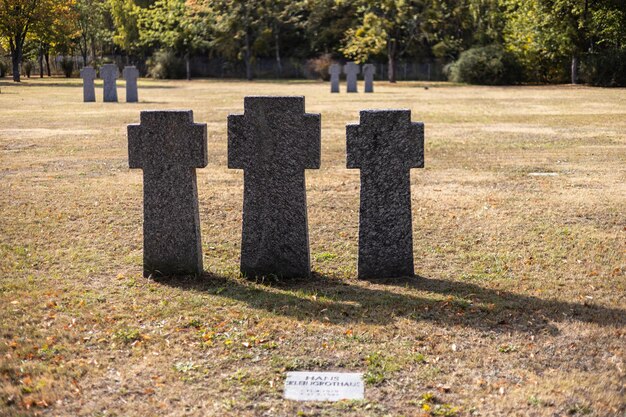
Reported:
(484, 41)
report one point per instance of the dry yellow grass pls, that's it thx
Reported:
(520, 307)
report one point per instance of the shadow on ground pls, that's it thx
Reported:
(419, 298)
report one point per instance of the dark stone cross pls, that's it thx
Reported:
(274, 141)
(88, 74)
(385, 146)
(168, 146)
(108, 72)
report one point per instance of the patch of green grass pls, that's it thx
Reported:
(379, 368)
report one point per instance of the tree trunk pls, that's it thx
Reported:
(574, 69)
(16, 46)
(248, 57)
(391, 55)
(40, 61)
(188, 66)
(279, 65)
(48, 62)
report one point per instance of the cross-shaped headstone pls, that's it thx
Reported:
(335, 72)
(168, 146)
(108, 72)
(385, 146)
(368, 73)
(351, 70)
(130, 75)
(88, 74)
(274, 141)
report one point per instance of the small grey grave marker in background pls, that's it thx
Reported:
(324, 386)
(130, 75)
(368, 74)
(351, 70)
(168, 146)
(335, 72)
(274, 141)
(108, 72)
(88, 74)
(385, 146)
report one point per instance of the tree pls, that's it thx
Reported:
(178, 25)
(92, 29)
(396, 24)
(18, 18)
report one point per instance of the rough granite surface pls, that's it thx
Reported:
(168, 146)
(385, 146)
(88, 74)
(130, 75)
(274, 141)
(108, 72)
(351, 70)
(335, 72)
(368, 74)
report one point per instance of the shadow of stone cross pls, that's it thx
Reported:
(88, 74)
(385, 146)
(274, 141)
(168, 146)
(108, 72)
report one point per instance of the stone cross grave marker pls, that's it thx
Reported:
(274, 141)
(368, 74)
(88, 74)
(335, 72)
(168, 146)
(351, 70)
(108, 72)
(130, 75)
(385, 146)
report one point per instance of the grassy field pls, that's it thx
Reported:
(519, 307)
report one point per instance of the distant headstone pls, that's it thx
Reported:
(335, 72)
(351, 70)
(168, 146)
(324, 386)
(108, 72)
(130, 75)
(88, 74)
(385, 146)
(274, 141)
(368, 74)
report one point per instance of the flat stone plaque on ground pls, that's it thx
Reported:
(335, 72)
(169, 146)
(324, 386)
(108, 72)
(274, 141)
(385, 146)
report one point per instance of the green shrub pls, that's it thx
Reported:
(165, 64)
(486, 65)
(607, 69)
(67, 65)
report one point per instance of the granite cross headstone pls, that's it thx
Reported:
(168, 146)
(108, 72)
(130, 75)
(385, 146)
(351, 70)
(368, 74)
(335, 72)
(274, 141)
(88, 74)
